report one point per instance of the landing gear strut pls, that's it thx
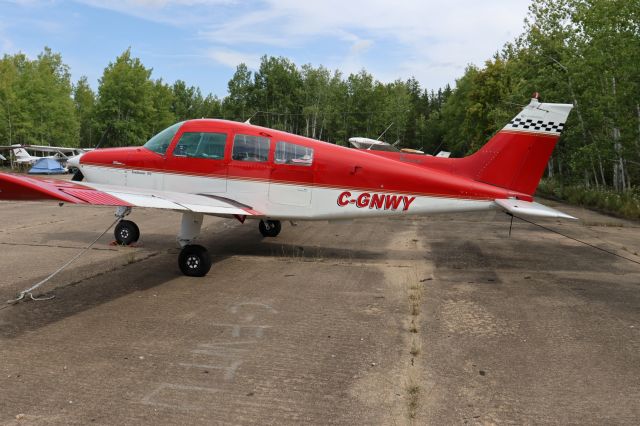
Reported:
(194, 260)
(270, 228)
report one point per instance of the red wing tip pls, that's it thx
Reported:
(252, 212)
(17, 187)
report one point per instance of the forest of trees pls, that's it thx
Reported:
(585, 52)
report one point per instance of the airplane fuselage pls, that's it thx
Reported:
(286, 176)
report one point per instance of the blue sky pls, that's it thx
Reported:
(202, 41)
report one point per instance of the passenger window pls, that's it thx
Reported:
(250, 148)
(201, 145)
(289, 153)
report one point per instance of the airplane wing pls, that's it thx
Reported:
(54, 149)
(15, 187)
(526, 208)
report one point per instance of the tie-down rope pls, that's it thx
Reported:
(28, 292)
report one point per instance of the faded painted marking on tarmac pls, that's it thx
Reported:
(223, 356)
(234, 309)
(166, 390)
(237, 329)
(229, 371)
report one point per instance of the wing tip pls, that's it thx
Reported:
(23, 188)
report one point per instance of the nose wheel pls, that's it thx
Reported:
(126, 232)
(270, 228)
(194, 261)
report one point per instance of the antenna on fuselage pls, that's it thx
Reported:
(248, 120)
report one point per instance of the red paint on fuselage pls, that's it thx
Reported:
(511, 160)
(333, 166)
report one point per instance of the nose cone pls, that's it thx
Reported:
(74, 161)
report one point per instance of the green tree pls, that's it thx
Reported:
(35, 100)
(211, 107)
(84, 100)
(277, 91)
(187, 101)
(125, 102)
(163, 106)
(238, 104)
(12, 110)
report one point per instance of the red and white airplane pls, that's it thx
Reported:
(231, 169)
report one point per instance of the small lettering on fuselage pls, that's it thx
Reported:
(375, 201)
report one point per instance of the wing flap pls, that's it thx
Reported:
(151, 198)
(527, 208)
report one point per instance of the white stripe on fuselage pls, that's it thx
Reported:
(286, 201)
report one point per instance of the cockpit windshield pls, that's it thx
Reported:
(160, 142)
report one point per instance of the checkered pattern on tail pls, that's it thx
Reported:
(535, 125)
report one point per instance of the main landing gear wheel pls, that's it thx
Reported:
(126, 232)
(270, 228)
(194, 261)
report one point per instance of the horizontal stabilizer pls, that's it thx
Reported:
(526, 208)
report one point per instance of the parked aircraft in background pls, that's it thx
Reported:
(230, 169)
(381, 146)
(367, 143)
(21, 155)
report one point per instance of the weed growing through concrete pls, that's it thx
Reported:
(413, 392)
(297, 253)
(415, 309)
(415, 348)
(131, 257)
(414, 295)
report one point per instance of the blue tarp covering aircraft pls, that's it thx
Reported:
(47, 166)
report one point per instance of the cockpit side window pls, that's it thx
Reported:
(289, 153)
(160, 142)
(250, 148)
(207, 145)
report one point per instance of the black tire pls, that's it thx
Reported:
(194, 261)
(270, 228)
(126, 232)
(77, 176)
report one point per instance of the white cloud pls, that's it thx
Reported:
(361, 46)
(432, 40)
(6, 45)
(232, 59)
(170, 12)
(436, 39)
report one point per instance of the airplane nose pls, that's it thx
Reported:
(74, 161)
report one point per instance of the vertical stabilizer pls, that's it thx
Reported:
(515, 158)
(21, 154)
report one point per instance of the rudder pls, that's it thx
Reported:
(515, 158)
